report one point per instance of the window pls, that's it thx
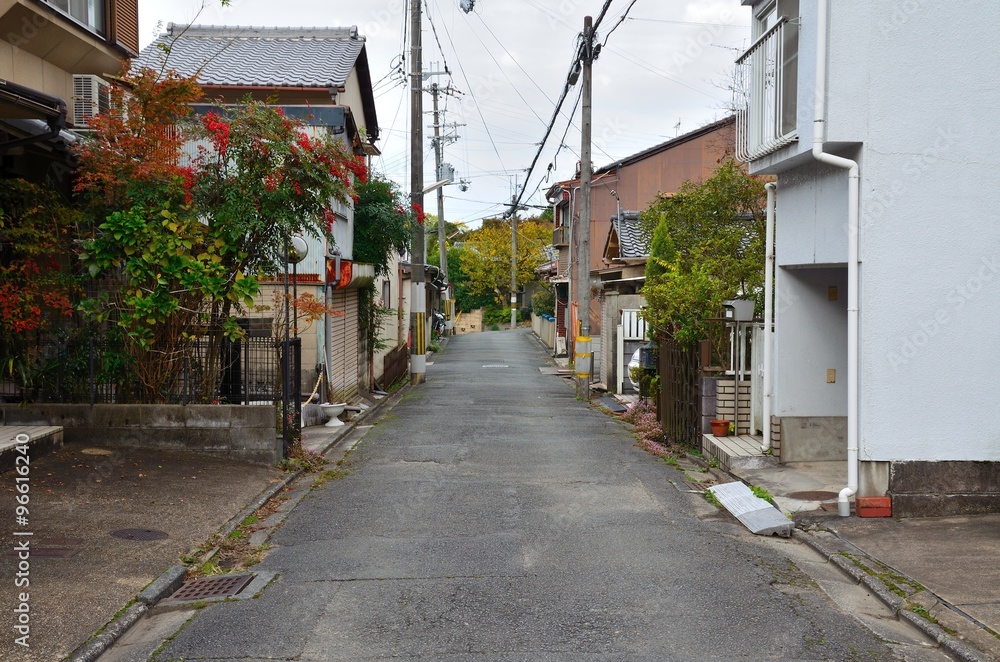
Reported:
(89, 13)
(387, 294)
(767, 81)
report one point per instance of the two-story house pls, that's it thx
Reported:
(55, 56)
(619, 191)
(321, 77)
(875, 118)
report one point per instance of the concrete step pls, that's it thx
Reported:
(39, 439)
(737, 452)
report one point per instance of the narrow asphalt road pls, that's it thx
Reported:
(492, 516)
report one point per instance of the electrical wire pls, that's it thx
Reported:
(580, 53)
(427, 11)
(620, 21)
(475, 101)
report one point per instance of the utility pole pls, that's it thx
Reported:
(418, 296)
(582, 351)
(438, 159)
(513, 262)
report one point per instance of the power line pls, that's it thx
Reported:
(475, 101)
(620, 21)
(570, 80)
(427, 11)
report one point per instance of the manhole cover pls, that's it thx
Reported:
(139, 534)
(96, 451)
(812, 495)
(207, 588)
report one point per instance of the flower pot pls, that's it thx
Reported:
(720, 428)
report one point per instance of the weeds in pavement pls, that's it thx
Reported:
(762, 493)
(303, 458)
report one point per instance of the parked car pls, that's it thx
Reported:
(633, 363)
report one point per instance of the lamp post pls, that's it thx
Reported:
(295, 251)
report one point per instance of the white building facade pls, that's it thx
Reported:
(899, 90)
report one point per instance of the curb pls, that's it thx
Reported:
(960, 649)
(173, 577)
(112, 633)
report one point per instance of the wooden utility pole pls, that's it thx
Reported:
(418, 296)
(583, 351)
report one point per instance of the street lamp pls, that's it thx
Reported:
(295, 251)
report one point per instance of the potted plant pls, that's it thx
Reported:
(720, 427)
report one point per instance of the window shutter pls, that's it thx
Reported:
(125, 24)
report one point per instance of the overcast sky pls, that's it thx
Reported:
(661, 72)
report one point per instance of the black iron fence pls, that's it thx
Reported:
(89, 368)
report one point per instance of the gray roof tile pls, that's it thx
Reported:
(235, 55)
(632, 239)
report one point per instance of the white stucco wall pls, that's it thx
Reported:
(811, 334)
(909, 98)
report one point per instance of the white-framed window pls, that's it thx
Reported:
(766, 89)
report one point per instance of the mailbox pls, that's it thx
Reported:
(738, 310)
(646, 359)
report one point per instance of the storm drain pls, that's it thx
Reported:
(211, 588)
(812, 495)
(53, 548)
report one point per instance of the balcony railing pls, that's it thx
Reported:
(560, 236)
(765, 93)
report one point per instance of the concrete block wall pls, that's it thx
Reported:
(726, 403)
(241, 433)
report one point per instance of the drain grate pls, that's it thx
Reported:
(495, 365)
(813, 495)
(207, 588)
(139, 534)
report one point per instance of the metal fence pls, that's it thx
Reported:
(90, 369)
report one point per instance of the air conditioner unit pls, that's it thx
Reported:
(91, 95)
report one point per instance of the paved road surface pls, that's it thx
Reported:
(492, 516)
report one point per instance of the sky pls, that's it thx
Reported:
(662, 72)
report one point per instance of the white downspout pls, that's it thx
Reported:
(768, 316)
(853, 200)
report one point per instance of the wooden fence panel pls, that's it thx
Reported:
(679, 402)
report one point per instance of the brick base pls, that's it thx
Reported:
(873, 506)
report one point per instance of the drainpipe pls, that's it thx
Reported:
(853, 200)
(768, 315)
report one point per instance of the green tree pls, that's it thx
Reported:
(381, 229)
(707, 246)
(486, 257)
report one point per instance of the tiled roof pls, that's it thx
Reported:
(279, 57)
(632, 239)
